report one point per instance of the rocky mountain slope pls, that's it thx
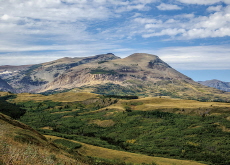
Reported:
(4, 86)
(33, 78)
(138, 74)
(224, 86)
(137, 67)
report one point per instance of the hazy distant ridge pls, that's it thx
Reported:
(221, 85)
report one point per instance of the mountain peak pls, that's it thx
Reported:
(108, 56)
(142, 56)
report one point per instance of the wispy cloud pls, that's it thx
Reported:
(164, 6)
(197, 57)
(60, 22)
(215, 8)
(203, 2)
(187, 26)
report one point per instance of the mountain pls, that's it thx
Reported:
(138, 67)
(139, 74)
(224, 86)
(4, 86)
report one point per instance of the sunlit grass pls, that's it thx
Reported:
(100, 152)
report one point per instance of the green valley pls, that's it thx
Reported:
(156, 127)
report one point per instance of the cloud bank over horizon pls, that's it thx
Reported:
(189, 35)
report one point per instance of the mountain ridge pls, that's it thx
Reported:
(221, 85)
(139, 74)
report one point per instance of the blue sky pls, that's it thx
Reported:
(193, 36)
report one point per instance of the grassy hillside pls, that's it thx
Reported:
(159, 127)
(59, 97)
(177, 89)
(121, 156)
(155, 127)
(20, 144)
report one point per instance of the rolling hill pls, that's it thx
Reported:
(154, 126)
(22, 144)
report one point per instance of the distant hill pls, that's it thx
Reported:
(139, 74)
(221, 85)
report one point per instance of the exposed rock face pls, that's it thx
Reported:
(4, 86)
(224, 86)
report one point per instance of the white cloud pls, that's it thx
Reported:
(144, 1)
(12, 59)
(146, 20)
(188, 16)
(60, 20)
(187, 26)
(5, 17)
(22, 53)
(164, 6)
(169, 32)
(204, 2)
(214, 8)
(196, 57)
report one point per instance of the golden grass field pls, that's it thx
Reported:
(95, 151)
(157, 103)
(167, 104)
(149, 103)
(60, 97)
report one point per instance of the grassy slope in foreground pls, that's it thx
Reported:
(20, 144)
(95, 151)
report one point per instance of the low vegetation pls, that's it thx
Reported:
(67, 145)
(10, 109)
(102, 71)
(157, 127)
(177, 89)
